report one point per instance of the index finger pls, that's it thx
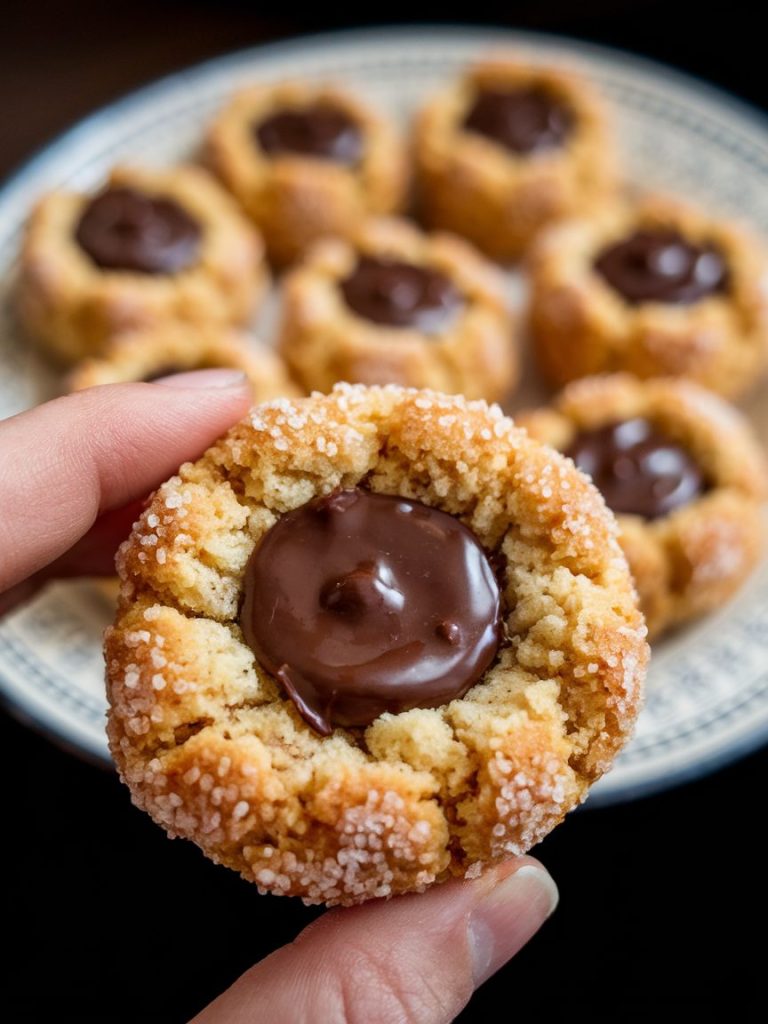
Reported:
(65, 462)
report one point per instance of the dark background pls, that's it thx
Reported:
(107, 921)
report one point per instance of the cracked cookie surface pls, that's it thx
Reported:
(213, 748)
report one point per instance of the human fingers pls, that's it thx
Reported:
(66, 462)
(93, 555)
(415, 958)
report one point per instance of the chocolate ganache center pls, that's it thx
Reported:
(123, 229)
(525, 120)
(320, 131)
(660, 265)
(362, 603)
(638, 469)
(397, 294)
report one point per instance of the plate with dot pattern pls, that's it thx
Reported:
(707, 697)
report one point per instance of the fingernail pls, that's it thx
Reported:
(506, 917)
(203, 379)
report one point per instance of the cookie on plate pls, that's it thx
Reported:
(653, 287)
(152, 247)
(395, 305)
(298, 681)
(684, 475)
(307, 160)
(508, 149)
(173, 348)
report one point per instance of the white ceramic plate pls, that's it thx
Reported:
(708, 686)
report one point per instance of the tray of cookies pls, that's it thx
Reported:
(403, 239)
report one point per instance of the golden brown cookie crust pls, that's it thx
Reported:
(691, 561)
(142, 355)
(72, 307)
(324, 341)
(581, 326)
(294, 199)
(214, 751)
(497, 199)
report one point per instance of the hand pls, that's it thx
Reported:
(73, 474)
(413, 960)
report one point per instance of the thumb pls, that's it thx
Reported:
(416, 958)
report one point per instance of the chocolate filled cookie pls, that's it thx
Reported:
(507, 150)
(683, 473)
(305, 161)
(371, 640)
(151, 354)
(655, 288)
(394, 305)
(151, 248)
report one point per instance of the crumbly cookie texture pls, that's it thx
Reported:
(325, 341)
(297, 199)
(73, 308)
(143, 355)
(690, 561)
(582, 326)
(214, 750)
(497, 199)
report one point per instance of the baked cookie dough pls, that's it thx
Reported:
(173, 348)
(508, 149)
(311, 767)
(396, 306)
(653, 287)
(154, 246)
(307, 160)
(684, 475)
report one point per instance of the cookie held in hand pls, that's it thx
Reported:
(371, 640)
